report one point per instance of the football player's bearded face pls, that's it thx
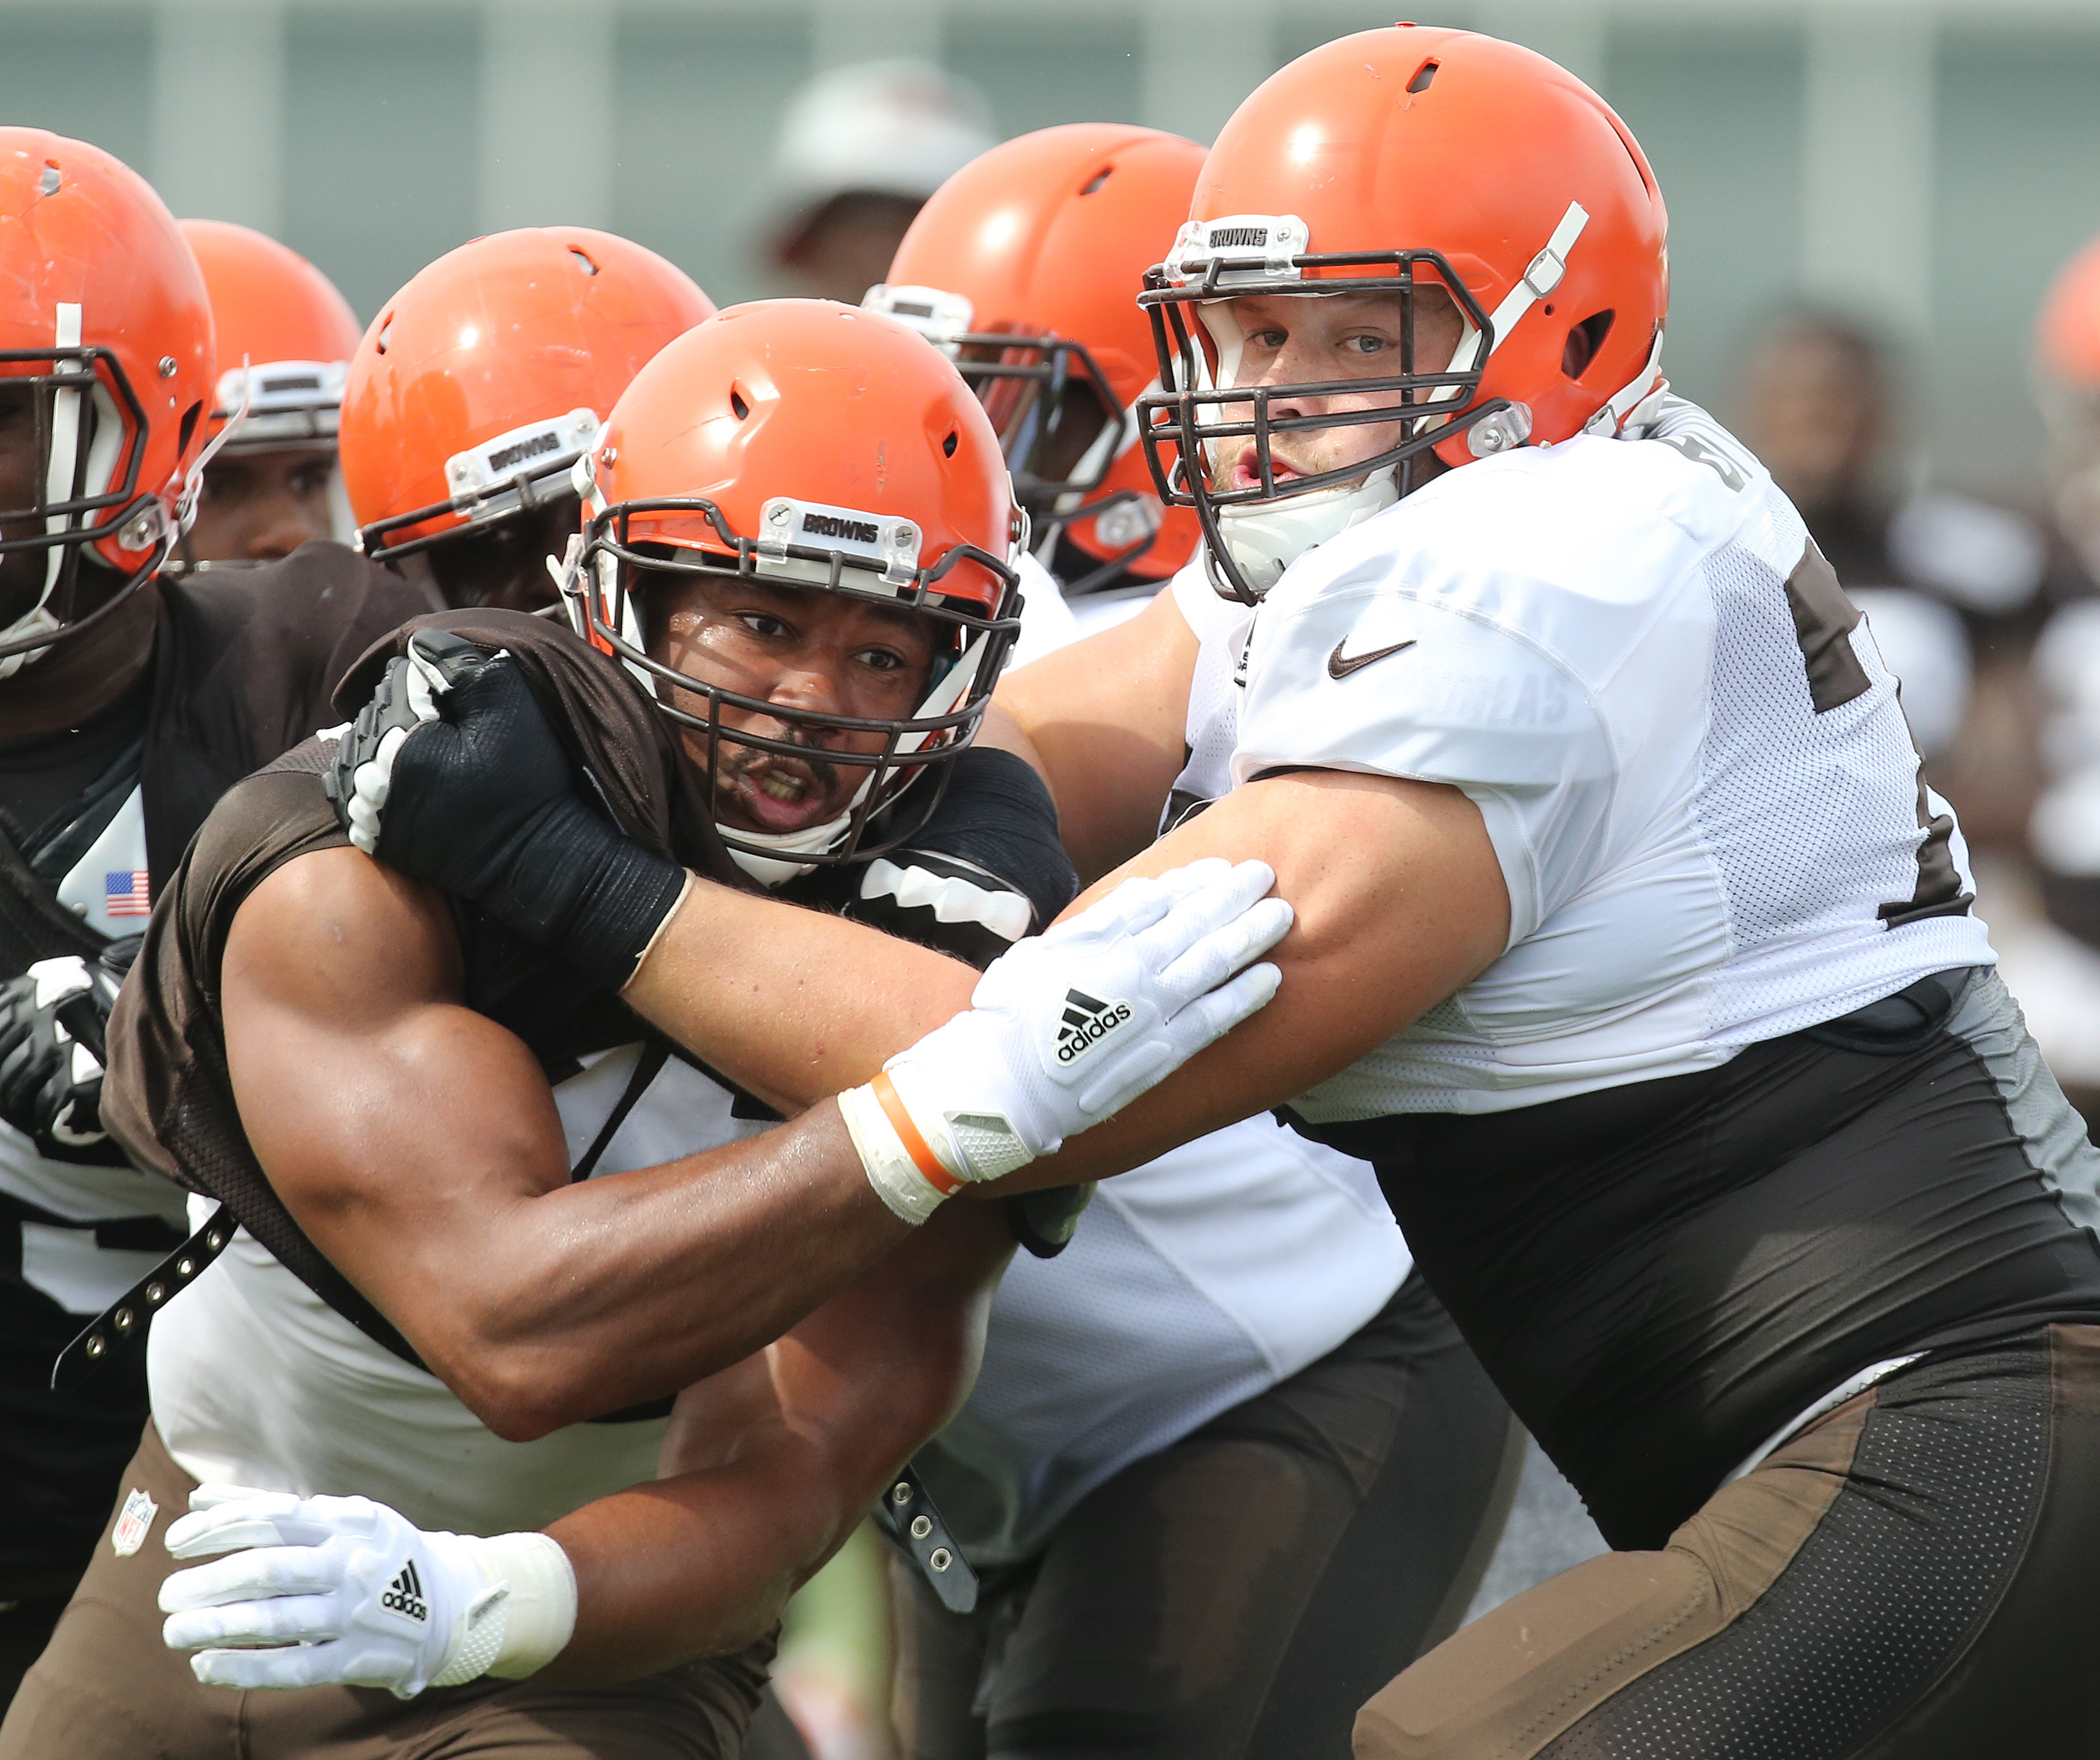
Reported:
(803, 648)
(1301, 339)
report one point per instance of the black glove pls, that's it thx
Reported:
(52, 1053)
(452, 775)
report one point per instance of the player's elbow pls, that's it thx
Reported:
(521, 1394)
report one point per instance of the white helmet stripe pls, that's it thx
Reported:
(1542, 274)
(65, 454)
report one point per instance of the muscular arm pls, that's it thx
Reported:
(1399, 902)
(770, 1464)
(1400, 899)
(417, 1143)
(1107, 718)
(792, 1005)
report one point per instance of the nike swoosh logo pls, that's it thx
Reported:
(1340, 665)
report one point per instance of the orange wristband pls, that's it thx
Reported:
(915, 1145)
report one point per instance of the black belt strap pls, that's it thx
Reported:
(908, 1519)
(647, 1067)
(122, 1325)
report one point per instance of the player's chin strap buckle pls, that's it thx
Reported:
(121, 1326)
(908, 1519)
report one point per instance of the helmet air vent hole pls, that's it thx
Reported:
(1096, 180)
(386, 329)
(581, 257)
(48, 183)
(1583, 342)
(189, 428)
(1423, 76)
(948, 445)
(737, 407)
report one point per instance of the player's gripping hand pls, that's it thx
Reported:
(452, 774)
(51, 1023)
(343, 1591)
(1069, 1027)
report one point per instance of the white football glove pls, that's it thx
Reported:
(1067, 1028)
(350, 1593)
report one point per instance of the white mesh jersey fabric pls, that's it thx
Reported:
(1192, 1284)
(1595, 641)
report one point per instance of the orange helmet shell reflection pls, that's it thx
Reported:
(1416, 137)
(1049, 236)
(271, 307)
(512, 329)
(80, 232)
(824, 404)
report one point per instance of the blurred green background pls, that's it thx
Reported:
(1927, 164)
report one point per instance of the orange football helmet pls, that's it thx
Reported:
(2066, 381)
(105, 356)
(1388, 161)
(2067, 329)
(1026, 267)
(277, 313)
(819, 446)
(483, 381)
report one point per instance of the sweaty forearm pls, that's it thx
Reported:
(699, 1565)
(594, 1297)
(769, 1466)
(1399, 902)
(792, 1005)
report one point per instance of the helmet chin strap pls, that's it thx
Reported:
(1266, 537)
(772, 870)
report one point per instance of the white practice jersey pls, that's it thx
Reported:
(78, 1257)
(1192, 1284)
(256, 1381)
(1698, 783)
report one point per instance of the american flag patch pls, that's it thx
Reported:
(125, 894)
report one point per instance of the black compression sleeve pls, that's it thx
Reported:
(997, 814)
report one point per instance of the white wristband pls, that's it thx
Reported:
(539, 1612)
(899, 1180)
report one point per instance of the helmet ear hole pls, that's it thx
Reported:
(948, 445)
(1584, 340)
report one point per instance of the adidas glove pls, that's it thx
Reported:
(452, 774)
(51, 1023)
(345, 1592)
(1066, 1029)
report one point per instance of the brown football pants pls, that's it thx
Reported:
(1917, 1575)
